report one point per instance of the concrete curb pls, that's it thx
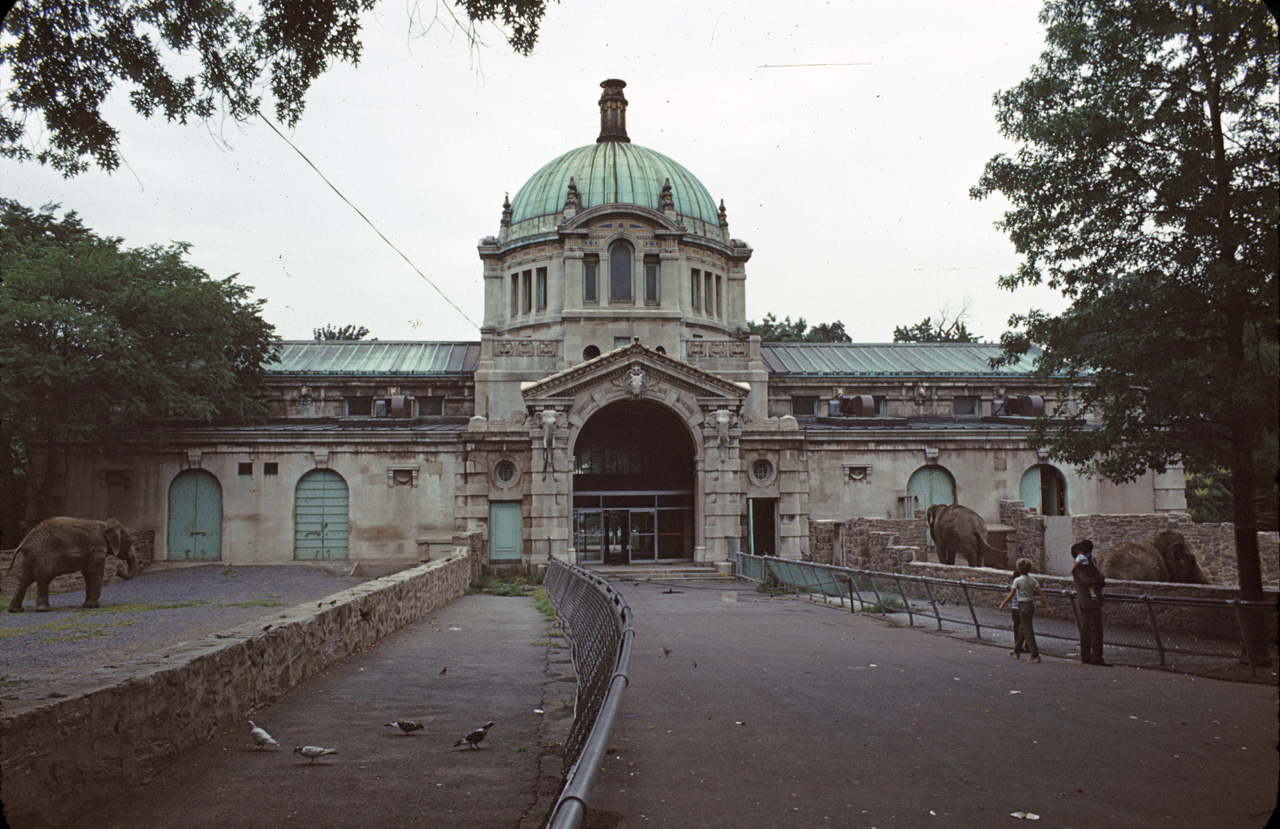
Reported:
(95, 736)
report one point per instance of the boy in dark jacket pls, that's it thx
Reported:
(1089, 583)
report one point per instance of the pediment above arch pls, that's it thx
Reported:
(635, 372)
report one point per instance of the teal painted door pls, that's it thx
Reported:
(505, 542)
(1029, 489)
(195, 517)
(930, 485)
(320, 516)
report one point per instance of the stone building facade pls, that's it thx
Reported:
(616, 409)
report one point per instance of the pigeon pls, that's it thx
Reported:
(444, 670)
(406, 726)
(261, 737)
(666, 651)
(473, 739)
(314, 753)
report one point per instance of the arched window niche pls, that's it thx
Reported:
(621, 256)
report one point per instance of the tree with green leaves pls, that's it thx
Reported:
(1145, 190)
(95, 336)
(346, 332)
(64, 59)
(773, 330)
(946, 331)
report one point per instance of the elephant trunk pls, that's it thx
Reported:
(128, 566)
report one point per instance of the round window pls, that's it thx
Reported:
(505, 472)
(761, 470)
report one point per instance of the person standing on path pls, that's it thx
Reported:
(1023, 593)
(1089, 584)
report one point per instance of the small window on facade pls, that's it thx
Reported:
(621, 342)
(359, 406)
(962, 406)
(526, 283)
(505, 471)
(719, 298)
(515, 294)
(270, 468)
(620, 273)
(804, 406)
(591, 352)
(590, 283)
(660, 350)
(695, 286)
(650, 282)
(246, 469)
(430, 406)
(761, 470)
(711, 290)
(542, 289)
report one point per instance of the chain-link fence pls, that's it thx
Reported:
(1200, 636)
(597, 621)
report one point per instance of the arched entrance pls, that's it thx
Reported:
(1044, 490)
(195, 517)
(633, 486)
(320, 516)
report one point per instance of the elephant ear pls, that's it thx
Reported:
(115, 536)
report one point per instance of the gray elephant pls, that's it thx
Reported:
(71, 545)
(956, 529)
(1164, 556)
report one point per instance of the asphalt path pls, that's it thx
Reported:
(779, 712)
(760, 712)
(480, 658)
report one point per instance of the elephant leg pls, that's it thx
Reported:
(15, 606)
(92, 585)
(42, 594)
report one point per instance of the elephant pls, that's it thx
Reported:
(1164, 556)
(957, 529)
(63, 545)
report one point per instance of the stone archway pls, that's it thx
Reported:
(634, 485)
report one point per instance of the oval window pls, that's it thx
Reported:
(761, 470)
(505, 472)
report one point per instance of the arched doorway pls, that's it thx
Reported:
(320, 516)
(1044, 490)
(633, 486)
(929, 485)
(195, 517)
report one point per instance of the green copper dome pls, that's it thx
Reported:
(613, 172)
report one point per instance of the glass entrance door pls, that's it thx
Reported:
(643, 536)
(617, 536)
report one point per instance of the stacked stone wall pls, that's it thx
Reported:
(59, 758)
(1027, 538)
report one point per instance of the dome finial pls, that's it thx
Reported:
(613, 112)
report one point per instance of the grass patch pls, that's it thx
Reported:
(769, 584)
(543, 603)
(140, 607)
(229, 572)
(74, 630)
(506, 584)
(887, 604)
(270, 600)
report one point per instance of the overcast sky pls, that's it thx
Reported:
(843, 137)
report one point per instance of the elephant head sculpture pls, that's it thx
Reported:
(71, 545)
(956, 529)
(1164, 556)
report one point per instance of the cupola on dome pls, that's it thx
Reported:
(612, 171)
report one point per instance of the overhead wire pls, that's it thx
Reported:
(367, 221)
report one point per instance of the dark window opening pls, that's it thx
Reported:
(591, 352)
(246, 469)
(590, 283)
(526, 283)
(430, 406)
(964, 406)
(804, 406)
(620, 273)
(650, 281)
(542, 289)
(271, 468)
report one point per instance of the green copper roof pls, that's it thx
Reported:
(613, 172)
(375, 357)
(890, 359)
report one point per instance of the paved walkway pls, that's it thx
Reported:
(764, 713)
(498, 668)
(780, 713)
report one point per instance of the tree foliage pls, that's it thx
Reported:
(95, 336)
(773, 330)
(346, 332)
(1144, 189)
(65, 58)
(953, 331)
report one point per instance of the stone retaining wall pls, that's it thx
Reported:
(59, 758)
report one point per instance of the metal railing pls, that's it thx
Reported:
(1201, 636)
(597, 621)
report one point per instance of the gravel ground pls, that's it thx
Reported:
(162, 606)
